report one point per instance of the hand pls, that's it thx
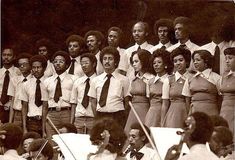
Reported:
(172, 153)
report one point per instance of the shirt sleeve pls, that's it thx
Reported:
(126, 87)
(186, 91)
(11, 89)
(24, 96)
(166, 89)
(74, 95)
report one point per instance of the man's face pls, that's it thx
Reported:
(42, 50)
(26, 143)
(74, 49)
(92, 43)
(109, 63)
(180, 32)
(33, 155)
(59, 64)
(135, 140)
(113, 39)
(7, 56)
(37, 69)
(163, 34)
(24, 66)
(139, 33)
(87, 66)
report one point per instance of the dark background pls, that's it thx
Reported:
(23, 22)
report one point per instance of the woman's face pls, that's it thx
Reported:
(136, 63)
(158, 65)
(199, 63)
(230, 61)
(179, 63)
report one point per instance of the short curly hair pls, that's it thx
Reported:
(113, 51)
(206, 56)
(184, 52)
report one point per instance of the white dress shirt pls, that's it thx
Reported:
(11, 154)
(77, 67)
(199, 152)
(123, 64)
(28, 95)
(67, 81)
(18, 84)
(159, 45)
(149, 154)
(99, 67)
(77, 95)
(50, 70)
(118, 90)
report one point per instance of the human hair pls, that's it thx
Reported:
(91, 56)
(70, 127)
(116, 29)
(141, 131)
(23, 55)
(76, 38)
(117, 135)
(187, 23)
(184, 52)
(99, 36)
(145, 60)
(229, 51)
(39, 58)
(47, 151)
(165, 55)
(219, 121)
(206, 56)
(113, 51)
(47, 43)
(13, 135)
(163, 22)
(145, 24)
(33, 135)
(203, 128)
(224, 135)
(63, 54)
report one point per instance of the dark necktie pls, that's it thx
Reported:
(139, 48)
(183, 46)
(85, 100)
(25, 79)
(4, 96)
(216, 67)
(58, 92)
(163, 47)
(38, 95)
(71, 70)
(137, 155)
(104, 92)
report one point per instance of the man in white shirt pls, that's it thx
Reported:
(10, 137)
(164, 30)
(140, 32)
(7, 72)
(114, 38)
(183, 29)
(82, 115)
(34, 96)
(109, 91)
(94, 41)
(59, 88)
(137, 141)
(25, 68)
(75, 45)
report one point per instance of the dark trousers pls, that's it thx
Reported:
(119, 116)
(4, 115)
(34, 125)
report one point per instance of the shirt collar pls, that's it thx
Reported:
(11, 69)
(142, 46)
(91, 77)
(178, 76)
(28, 77)
(114, 74)
(206, 73)
(221, 44)
(230, 73)
(61, 76)
(161, 78)
(167, 45)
